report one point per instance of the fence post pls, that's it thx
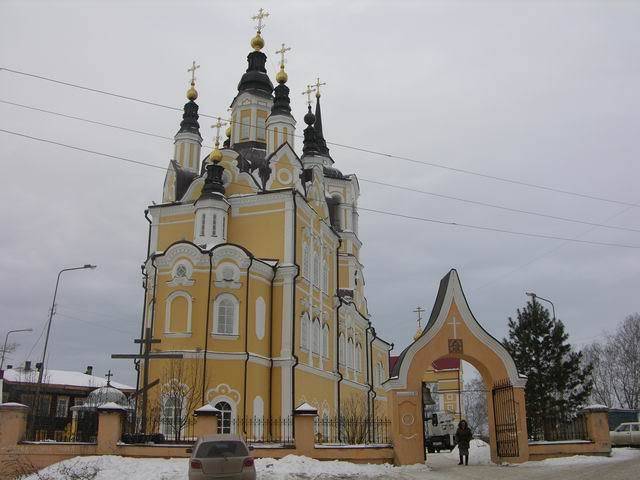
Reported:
(13, 424)
(207, 418)
(109, 427)
(303, 419)
(597, 420)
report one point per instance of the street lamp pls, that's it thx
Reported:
(46, 340)
(534, 296)
(6, 338)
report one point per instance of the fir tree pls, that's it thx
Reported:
(558, 382)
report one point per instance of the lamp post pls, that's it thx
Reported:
(46, 340)
(6, 338)
(534, 296)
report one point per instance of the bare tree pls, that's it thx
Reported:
(353, 420)
(181, 391)
(616, 373)
(475, 406)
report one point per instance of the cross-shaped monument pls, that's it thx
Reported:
(146, 356)
(109, 375)
(259, 16)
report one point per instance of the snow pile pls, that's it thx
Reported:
(304, 467)
(291, 466)
(617, 455)
(479, 453)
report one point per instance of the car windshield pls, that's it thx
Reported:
(622, 428)
(221, 449)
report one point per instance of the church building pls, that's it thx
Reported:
(254, 274)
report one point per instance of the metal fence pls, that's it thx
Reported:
(174, 430)
(51, 429)
(258, 430)
(352, 430)
(555, 429)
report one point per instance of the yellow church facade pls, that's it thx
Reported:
(254, 274)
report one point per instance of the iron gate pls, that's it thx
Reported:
(504, 415)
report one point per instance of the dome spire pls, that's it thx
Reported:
(189, 122)
(282, 102)
(216, 155)
(310, 145)
(320, 141)
(255, 78)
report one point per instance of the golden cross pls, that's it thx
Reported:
(260, 15)
(317, 85)
(281, 52)
(193, 69)
(419, 311)
(218, 125)
(308, 93)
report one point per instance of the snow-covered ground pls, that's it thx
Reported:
(441, 466)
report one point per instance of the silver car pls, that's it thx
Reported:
(221, 457)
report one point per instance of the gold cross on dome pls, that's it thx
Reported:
(259, 16)
(281, 52)
(317, 85)
(193, 69)
(218, 125)
(308, 93)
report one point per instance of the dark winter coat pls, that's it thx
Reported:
(463, 437)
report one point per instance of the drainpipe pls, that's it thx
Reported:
(271, 352)
(144, 312)
(246, 347)
(340, 376)
(293, 306)
(206, 329)
(372, 393)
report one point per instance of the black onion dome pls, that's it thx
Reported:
(213, 185)
(189, 122)
(309, 146)
(255, 78)
(282, 102)
(309, 118)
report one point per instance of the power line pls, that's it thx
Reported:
(498, 230)
(342, 145)
(97, 325)
(366, 180)
(399, 215)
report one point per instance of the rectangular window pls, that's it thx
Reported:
(62, 407)
(203, 219)
(214, 225)
(261, 120)
(245, 124)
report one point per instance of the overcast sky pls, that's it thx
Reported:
(540, 92)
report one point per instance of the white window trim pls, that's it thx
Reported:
(236, 313)
(326, 339)
(305, 340)
(232, 404)
(167, 318)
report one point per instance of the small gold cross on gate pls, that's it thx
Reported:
(259, 16)
(317, 85)
(281, 52)
(193, 69)
(419, 311)
(308, 93)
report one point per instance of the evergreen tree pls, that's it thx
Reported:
(558, 382)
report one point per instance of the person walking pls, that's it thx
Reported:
(463, 438)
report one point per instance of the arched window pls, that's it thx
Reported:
(171, 417)
(325, 341)
(306, 269)
(304, 332)
(261, 309)
(315, 337)
(226, 315)
(341, 350)
(316, 269)
(258, 416)
(325, 277)
(214, 226)
(357, 360)
(334, 211)
(224, 423)
(178, 313)
(350, 353)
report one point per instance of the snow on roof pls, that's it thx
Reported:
(111, 406)
(60, 377)
(305, 407)
(207, 408)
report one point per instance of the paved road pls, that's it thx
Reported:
(609, 469)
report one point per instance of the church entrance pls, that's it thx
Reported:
(453, 332)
